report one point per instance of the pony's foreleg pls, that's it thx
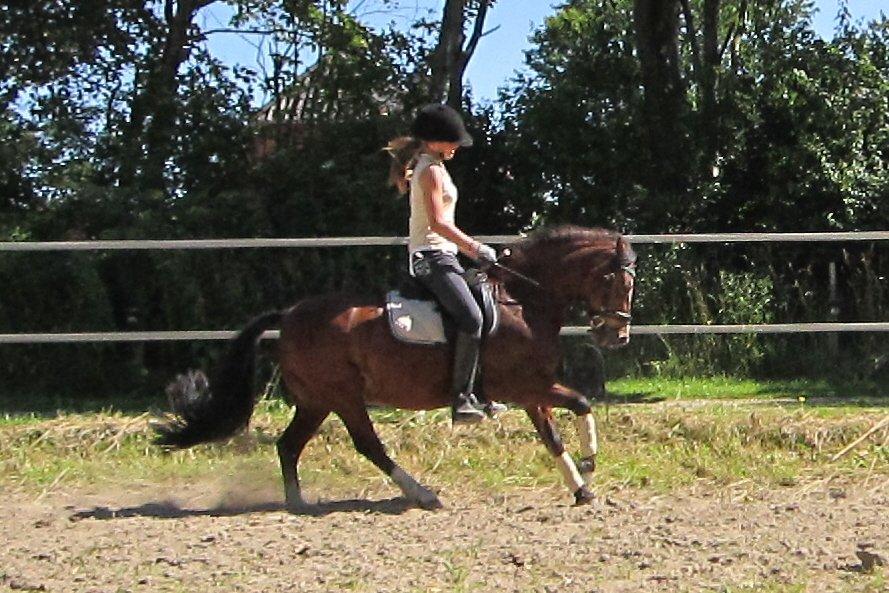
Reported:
(542, 419)
(290, 446)
(589, 444)
(563, 397)
(368, 444)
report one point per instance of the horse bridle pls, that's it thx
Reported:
(600, 317)
(597, 318)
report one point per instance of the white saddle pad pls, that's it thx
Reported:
(414, 321)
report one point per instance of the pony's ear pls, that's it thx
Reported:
(623, 251)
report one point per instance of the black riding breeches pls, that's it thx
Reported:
(442, 274)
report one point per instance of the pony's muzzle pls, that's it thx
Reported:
(610, 338)
(614, 342)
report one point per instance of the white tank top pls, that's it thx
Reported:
(422, 237)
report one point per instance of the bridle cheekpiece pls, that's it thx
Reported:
(599, 318)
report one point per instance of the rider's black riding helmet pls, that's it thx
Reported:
(440, 123)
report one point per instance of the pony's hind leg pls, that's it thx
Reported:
(290, 446)
(368, 444)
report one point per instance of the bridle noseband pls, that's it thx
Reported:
(600, 317)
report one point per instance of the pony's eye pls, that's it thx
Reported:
(609, 276)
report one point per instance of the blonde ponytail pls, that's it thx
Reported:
(404, 151)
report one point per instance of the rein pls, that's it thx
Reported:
(597, 318)
(518, 275)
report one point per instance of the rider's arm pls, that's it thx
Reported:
(432, 183)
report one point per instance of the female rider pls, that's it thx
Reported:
(418, 166)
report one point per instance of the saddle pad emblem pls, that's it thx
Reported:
(404, 322)
(414, 321)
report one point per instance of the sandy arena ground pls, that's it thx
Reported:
(813, 538)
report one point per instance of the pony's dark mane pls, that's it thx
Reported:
(540, 242)
(567, 232)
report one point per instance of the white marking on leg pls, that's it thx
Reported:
(569, 471)
(589, 445)
(586, 430)
(413, 490)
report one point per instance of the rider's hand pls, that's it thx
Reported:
(486, 254)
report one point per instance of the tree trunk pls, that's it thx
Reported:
(709, 116)
(450, 58)
(153, 114)
(692, 33)
(164, 87)
(657, 38)
(449, 49)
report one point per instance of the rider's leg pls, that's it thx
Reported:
(442, 274)
(465, 405)
(491, 408)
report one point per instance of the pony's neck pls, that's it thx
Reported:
(540, 309)
(563, 272)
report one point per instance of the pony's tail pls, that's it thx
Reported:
(205, 411)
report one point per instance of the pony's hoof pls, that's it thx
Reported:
(587, 465)
(296, 506)
(415, 492)
(583, 496)
(429, 503)
(303, 508)
(295, 503)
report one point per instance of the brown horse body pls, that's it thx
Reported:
(337, 355)
(340, 351)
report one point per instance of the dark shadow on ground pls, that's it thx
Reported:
(639, 397)
(828, 392)
(173, 510)
(810, 392)
(389, 506)
(843, 402)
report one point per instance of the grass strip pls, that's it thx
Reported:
(735, 444)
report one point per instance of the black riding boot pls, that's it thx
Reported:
(488, 406)
(464, 408)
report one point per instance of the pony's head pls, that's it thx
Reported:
(611, 297)
(594, 266)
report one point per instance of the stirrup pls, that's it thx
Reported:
(492, 408)
(464, 410)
